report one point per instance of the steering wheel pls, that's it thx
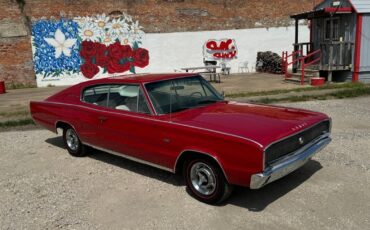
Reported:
(196, 93)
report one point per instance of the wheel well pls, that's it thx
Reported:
(61, 125)
(192, 155)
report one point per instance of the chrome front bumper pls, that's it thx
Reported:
(289, 163)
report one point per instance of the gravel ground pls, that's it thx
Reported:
(42, 187)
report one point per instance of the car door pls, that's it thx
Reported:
(94, 100)
(129, 128)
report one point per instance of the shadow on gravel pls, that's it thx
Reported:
(142, 169)
(56, 141)
(258, 200)
(253, 200)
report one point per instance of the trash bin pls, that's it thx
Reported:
(2, 87)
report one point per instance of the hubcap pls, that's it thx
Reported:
(72, 139)
(202, 178)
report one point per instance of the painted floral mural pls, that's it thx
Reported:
(87, 46)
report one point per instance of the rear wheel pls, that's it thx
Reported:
(206, 181)
(73, 143)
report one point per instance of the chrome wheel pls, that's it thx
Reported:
(72, 140)
(203, 178)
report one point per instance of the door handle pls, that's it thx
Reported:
(102, 119)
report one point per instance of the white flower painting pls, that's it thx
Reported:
(108, 30)
(102, 21)
(61, 44)
(89, 32)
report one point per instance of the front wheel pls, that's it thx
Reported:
(73, 143)
(206, 181)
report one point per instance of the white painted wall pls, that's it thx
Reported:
(170, 51)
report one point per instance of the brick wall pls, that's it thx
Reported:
(15, 47)
(180, 15)
(16, 64)
(154, 16)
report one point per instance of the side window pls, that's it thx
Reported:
(97, 95)
(335, 32)
(160, 93)
(120, 97)
(142, 105)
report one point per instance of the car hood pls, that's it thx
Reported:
(259, 123)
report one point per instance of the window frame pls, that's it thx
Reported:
(141, 89)
(336, 34)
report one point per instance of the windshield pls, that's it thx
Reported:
(178, 94)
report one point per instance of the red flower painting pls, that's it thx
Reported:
(89, 70)
(116, 58)
(88, 50)
(141, 57)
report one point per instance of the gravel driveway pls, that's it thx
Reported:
(42, 187)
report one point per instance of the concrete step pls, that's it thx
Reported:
(309, 71)
(296, 80)
(307, 75)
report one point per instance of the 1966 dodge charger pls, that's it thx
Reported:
(180, 123)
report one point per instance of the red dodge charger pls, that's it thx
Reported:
(180, 123)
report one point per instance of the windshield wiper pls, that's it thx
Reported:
(180, 109)
(208, 101)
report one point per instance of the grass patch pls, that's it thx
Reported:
(348, 93)
(18, 86)
(15, 113)
(15, 123)
(280, 91)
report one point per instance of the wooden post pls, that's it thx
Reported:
(296, 44)
(341, 62)
(283, 62)
(322, 56)
(303, 73)
(330, 75)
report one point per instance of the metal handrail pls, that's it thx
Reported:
(304, 64)
(286, 64)
(301, 59)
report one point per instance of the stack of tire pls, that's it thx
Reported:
(268, 62)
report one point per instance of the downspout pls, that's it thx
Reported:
(357, 54)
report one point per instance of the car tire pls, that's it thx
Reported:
(73, 143)
(205, 181)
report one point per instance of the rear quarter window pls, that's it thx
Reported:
(97, 95)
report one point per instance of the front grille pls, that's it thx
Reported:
(292, 143)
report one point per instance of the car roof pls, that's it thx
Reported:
(138, 78)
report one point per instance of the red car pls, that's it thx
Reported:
(180, 123)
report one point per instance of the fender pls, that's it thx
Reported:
(203, 153)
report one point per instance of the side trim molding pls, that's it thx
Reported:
(130, 157)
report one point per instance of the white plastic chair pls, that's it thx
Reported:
(224, 68)
(243, 67)
(253, 68)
